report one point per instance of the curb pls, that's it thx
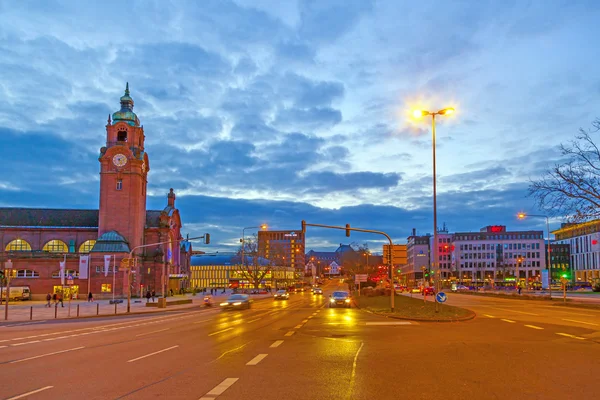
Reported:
(459, 319)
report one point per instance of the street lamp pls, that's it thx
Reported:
(523, 215)
(263, 226)
(366, 253)
(420, 114)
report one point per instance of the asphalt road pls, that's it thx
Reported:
(298, 349)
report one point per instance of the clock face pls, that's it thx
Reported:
(119, 160)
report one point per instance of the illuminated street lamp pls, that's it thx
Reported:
(420, 114)
(523, 215)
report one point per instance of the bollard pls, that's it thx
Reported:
(97, 308)
(31, 313)
(55, 310)
(115, 308)
(77, 310)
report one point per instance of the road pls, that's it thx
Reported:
(298, 349)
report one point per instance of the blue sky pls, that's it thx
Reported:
(272, 112)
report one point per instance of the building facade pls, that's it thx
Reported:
(285, 248)
(417, 252)
(560, 261)
(89, 245)
(584, 245)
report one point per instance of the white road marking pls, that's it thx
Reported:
(257, 359)
(508, 320)
(571, 336)
(580, 322)
(28, 393)
(489, 316)
(290, 333)
(25, 323)
(254, 320)
(219, 389)
(310, 316)
(156, 352)
(217, 332)
(21, 344)
(276, 343)
(354, 364)
(389, 323)
(46, 355)
(230, 351)
(298, 326)
(1, 347)
(520, 312)
(148, 333)
(304, 321)
(533, 327)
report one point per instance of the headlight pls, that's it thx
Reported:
(347, 300)
(224, 304)
(332, 300)
(237, 303)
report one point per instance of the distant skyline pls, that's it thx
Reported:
(271, 112)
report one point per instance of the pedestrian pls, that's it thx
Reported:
(48, 298)
(60, 298)
(148, 295)
(153, 295)
(55, 299)
(519, 288)
(171, 292)
(90, 297)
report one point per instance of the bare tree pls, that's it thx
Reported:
(572, 188)
(253, 270)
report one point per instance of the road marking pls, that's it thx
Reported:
(21, 344)
(148, 333)
(580, 322)
(298, 326)
(520, 312)
(25, 323)
(309, 317)
(354, 365)
(28, 393)
(276, 343)
(290, 333)
(46, 355)
(571, 336)
(508, 320)
(254, 320)
(217, 332)
(151, 354)
(257, 359)
(489, 316)
(230, 351)
(533, 327)
(389, 323)
(304, 321)
(219, 389)
(1, 347)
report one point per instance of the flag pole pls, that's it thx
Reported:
(114, 272)
(89, 277)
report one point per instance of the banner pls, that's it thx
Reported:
(106, 264)
(62, 271)
(83, 267)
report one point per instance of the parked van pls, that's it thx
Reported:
(17, 293)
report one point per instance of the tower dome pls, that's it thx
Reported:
(126, 113)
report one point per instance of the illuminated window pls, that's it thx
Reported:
(56, 246)
(18, 245)
(56, 274)
(87, 246)
(106, 287)
(27, 273)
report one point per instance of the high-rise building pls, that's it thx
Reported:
(285, 248)
(584, 242)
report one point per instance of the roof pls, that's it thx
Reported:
(322, 254)
(48, 217)
(153, 218)
(111, 242)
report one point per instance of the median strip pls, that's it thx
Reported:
(219, 389)
(257, 359)
(156, 352)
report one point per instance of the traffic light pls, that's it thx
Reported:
(303, 226)
(207, 238)
(347, 230)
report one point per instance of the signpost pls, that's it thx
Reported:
(358, 278)
(441, 297)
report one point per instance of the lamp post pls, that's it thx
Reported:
(263, 226)
(435, 263)
(548, 260)
(366, 253)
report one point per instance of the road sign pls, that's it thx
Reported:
(360, 278)
(441, 297)
(125, 263)
(70, 280)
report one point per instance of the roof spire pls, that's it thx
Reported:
(127, 89)
(109, 121)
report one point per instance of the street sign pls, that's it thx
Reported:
(441, 297)
(70, 280)
(360, 278)
(125, 263)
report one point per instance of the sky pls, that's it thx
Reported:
(274, 112)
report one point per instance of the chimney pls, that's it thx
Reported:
(171, 198)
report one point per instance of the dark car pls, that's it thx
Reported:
(428, 291)
(340, 299)
(281, 295)
(236, 301)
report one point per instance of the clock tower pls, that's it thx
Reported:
(123, 175)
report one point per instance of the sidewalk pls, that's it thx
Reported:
(38, 311)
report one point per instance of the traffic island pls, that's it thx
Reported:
(415, 309)
(163, 303)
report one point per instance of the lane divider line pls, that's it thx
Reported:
(149, 333)
(21, 344)
(229, 351)
(219, 389)
(254, 320)
(46, 355)
(571, 336)
(508, 320)
(489, 316)
(276, 343)
(533, 327)
(290, 333)
(304, 321)
(217, 332)
(580, 322)
(520, 312)
(257, 359)
(28, 393)
(151, 354)
(298, 326)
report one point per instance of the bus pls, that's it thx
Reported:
(17, 293)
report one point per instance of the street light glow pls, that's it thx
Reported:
(420, 113)
(446, 111)
(521, 215)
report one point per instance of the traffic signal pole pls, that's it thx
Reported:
(347, 228)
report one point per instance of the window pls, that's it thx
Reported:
(27, 273)
(56, 274)
(122, 136)
(56, 246)
(87, 246)
(18, 245)
(106, 287)
(119, 184)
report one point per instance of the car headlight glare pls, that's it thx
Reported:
(332, 300)
(224, 304)
(237, 303)
(347, 300)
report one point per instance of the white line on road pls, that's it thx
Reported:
(28, 393)
(533, 327)
(389, 323)
(148, 333)
(21, 344)
(45, 355)
(25, 323)
(290, 333)
(580, 322)
(489, 316)
(1, 347)
(230, 351)
(219, 389)
(304, 321)
(253, 320)
(354, 365)
(571, 336)
(508, 320)
(156, 352)
(298, 326)
(276, 343)
(520, 312)
(257, 359)
(310, 316)
(217, 332)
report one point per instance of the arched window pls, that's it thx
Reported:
(18, 245)
(87, 246)
(56, 274)
(56, 246)
(27, 273)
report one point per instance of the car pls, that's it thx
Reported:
(428, 290)
(415, 290)
(291, 289)
(236, 301)
(281, 295)
(340, 299)
(317, 290)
